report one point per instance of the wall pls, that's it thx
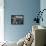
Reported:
(1, 20)
(18, 7)
(43, 6)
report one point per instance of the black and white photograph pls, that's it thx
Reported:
(17, 19)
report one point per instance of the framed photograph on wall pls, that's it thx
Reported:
(17, 19)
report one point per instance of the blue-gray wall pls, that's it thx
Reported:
(43, 6)
(18, 7)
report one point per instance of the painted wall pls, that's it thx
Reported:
(43, 6)
(1, 20)
(18, 7)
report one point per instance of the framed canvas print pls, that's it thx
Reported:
(17, 19)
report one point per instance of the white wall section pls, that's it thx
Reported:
(1, 20)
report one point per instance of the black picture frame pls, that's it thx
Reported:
(17, 19)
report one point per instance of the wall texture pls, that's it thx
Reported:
(43, 6)
(18, 7)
